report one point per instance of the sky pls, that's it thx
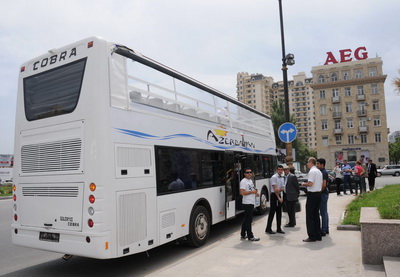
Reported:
(208, 40)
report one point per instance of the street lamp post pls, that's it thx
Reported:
(286, 60)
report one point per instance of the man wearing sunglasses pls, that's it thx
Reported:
(249, 193)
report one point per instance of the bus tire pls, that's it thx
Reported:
(262, 209)
(199, 227)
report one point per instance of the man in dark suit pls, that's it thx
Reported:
(292, 194)
(372, 172)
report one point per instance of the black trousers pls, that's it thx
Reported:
(248, 220)
(290, 206)
(276, 207)
(371, 183)
(338, 183)
(313, 221)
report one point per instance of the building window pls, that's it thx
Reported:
(321, 79)
(338, 124)
(349, 108)
(338, 139)
(349, 123)
(360, 90)
(374, 89)
(346, 75)
(323, 109)
(322, 94)
(377, 121)
(375, 105)
(363, 138)
(372, 71)
(324, 125)
(378, 137)
(358, 73)
(333, 77)
(325, 141)
(347, 91)
(363, 123)
(350, 139)
(335, 92)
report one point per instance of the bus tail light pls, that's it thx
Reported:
(90, 44)
(92, 199)
(87, 239)
(15, 217)
(90, 223)
(22, 69)
(91, 211)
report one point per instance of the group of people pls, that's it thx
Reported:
(285, 190)
(361, 172)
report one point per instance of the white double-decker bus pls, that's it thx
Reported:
(116, 154)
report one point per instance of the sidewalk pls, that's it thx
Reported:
(338, 254)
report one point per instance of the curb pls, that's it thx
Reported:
(347, 227)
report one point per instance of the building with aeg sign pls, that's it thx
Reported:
(350, 108)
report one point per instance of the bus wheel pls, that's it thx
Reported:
(199, 228)
(262, 209)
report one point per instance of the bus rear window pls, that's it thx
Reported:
(54, 92)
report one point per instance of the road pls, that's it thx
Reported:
(20, 261)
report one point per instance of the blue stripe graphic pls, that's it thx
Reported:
(188, 136)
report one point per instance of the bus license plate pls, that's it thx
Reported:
(52, 237)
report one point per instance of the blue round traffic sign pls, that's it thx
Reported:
(287, 132)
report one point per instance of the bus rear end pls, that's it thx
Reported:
(57, 207)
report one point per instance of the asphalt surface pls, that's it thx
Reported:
(338, 254)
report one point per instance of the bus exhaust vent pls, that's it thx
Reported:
(168, 220)
(132, 218)
(50, 191)
(62, 155)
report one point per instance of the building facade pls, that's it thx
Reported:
(340, 111)
(301, 106)
(394, 136)
(255, 90)
(259, 92)
(351, 112)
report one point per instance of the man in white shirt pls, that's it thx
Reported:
(249, 193)
(277, 182)
(314, 185)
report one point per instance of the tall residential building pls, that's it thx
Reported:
(255, 90)
(350, 111)
(394, 136)
(259, 92)
(301, 106)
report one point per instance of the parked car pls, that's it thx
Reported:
(389, 170)
(331, 182)
(300, 174)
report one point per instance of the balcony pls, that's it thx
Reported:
(337, 114)
(338, 131)
(362, 113)
(336, 99)
(360, 97)
(363, 129)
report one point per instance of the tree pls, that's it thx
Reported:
(394, 151)
(396, 82)
(278, 118)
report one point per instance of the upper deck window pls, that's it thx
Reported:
(54, 92)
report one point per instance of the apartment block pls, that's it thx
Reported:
(255, 90)
(350, 111)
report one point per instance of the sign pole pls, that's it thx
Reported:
(289, 157)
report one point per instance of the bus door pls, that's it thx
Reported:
(233, 176)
